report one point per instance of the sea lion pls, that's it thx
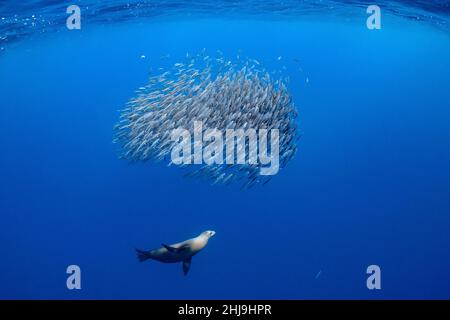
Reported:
(178, 252)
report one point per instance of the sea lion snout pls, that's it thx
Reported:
(209, 233)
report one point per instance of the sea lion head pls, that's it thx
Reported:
(208, 233)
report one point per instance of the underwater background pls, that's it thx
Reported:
(370, 183)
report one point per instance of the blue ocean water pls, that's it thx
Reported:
(370, 183)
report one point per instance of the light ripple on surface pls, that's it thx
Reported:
(19, 20)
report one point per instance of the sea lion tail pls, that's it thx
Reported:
(142, 255)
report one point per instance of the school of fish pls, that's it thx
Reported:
(220, 93)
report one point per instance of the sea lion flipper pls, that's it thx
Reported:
(169, 248)
(173, 249)
(187, 265)
(143, 255)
